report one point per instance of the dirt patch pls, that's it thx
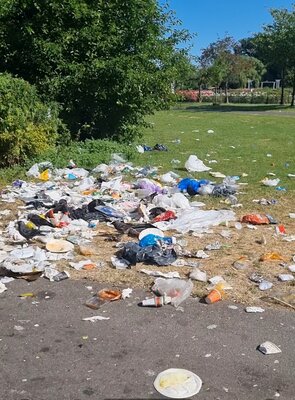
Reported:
(248, 243)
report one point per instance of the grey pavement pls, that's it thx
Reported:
(48, 352)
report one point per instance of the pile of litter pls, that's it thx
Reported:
(62, 212)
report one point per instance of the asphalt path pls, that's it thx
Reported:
(48, 352)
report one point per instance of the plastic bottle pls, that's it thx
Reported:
(151, 240)
(156, 301)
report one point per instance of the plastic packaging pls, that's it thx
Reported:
(61, 276)
(216, 294)
(157, 301)
(255, 219)
(177, 289)
(151, 240)
(109, 294)
(194, 164)
(199, 220)
(94, 303)
(166, 216)
(191, 186)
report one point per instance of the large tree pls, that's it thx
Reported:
(225, 67)
(109, 63)
(276, 44)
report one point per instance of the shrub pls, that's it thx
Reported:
(86, 154)
(28, 127)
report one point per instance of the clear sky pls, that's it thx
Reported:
(213, 19)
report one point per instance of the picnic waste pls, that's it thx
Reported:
(60, 211)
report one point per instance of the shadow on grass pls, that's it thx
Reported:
(232, 107)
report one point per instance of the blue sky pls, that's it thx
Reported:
(212, 19)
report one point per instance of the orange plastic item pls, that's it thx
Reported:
(110, 295)
(272, 257)
(87, 192)
(215, 294)
(89, 267)
(255, 219)
(116, 195)
(166, 216)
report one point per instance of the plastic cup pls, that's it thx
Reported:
(213, 296)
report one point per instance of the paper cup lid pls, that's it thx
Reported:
(59, 246)
(151, 231)
(177, 383)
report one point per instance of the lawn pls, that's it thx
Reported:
(245, 141)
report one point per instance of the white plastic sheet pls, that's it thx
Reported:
(194, 164)
(199, 220)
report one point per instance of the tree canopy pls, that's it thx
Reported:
(223, 65)
(276, 44)
(109, 63)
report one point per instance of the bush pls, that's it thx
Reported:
(28, 127)
(86, 154)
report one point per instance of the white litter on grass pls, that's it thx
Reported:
(270, 182)
(292, 215)
(194, 164)
(210, 131)
(161, 274)
(119, 263)
(5, 212)
(79, 265)
(201, 254)
(198, 275)
(291, 268)
(286, 277)
(95, 318)
(217, 174)
(290, 238)
(265, 285)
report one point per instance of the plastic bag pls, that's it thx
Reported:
(194, 164)
(191, 186)
(166, 216)
(199, 220)
(177, 289)
(133, 253)
(255, 219)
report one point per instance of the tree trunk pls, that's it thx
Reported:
(283, 86)
(226, 93)
(199, 94)
(293, 90)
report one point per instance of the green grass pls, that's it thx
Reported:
(253, 137)
(200, 107)
(253, 131)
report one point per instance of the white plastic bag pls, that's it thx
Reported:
(194, 164)
(199, 220)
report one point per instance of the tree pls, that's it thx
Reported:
(226, 67)
(109, 63)
(277, 45)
